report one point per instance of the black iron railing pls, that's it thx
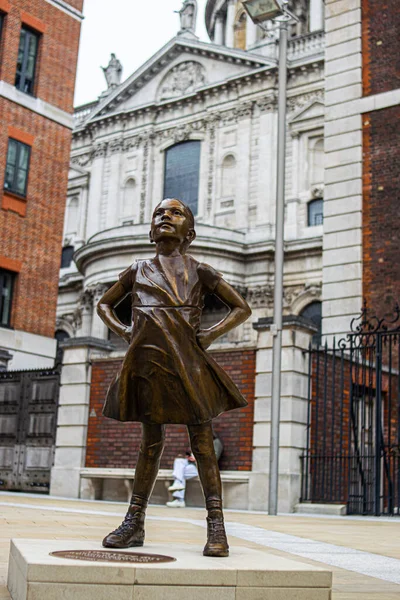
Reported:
(353, 444)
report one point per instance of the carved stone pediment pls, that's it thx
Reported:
(183, 79)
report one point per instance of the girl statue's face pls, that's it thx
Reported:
(170, 223)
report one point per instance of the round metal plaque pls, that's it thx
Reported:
(115, 557)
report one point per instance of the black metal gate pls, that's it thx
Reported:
(353, 448)
(28, 421)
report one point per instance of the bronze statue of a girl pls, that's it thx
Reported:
(167, 376)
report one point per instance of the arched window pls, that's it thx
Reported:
(67, 256)
(228, 177)
(61, 335)
(313, 312)
(240, 28)
(316, 212)
(182, 170)
(130, 199)
(72, 215)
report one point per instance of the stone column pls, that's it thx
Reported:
(251, 33)
(5, 358)
(316, 15)
(230, 23)
(86, 312)
(219, 30)
(297, 333)
(73, 414)
(342, 273)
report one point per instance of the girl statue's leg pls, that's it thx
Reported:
(201, 440)
(131, 531)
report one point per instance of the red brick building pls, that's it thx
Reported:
(39, 42)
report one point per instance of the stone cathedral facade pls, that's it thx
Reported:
(199, 121)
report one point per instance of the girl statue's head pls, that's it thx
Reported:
(173, 220)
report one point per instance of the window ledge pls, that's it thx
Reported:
(5, 6)
(14, 203)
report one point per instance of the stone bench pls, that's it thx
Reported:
(116, 485)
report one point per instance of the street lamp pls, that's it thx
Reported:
(263, 10)
(260, 11)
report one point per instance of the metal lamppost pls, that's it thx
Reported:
(261, 11)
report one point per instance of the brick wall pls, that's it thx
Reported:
(381, 215)
(35, 240)
(381, 26)
(115, 445)
(337, 420)
(78, 4)
(58, 50)
(32, 227)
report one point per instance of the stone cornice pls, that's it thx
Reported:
(133, 240)
(155, 109)
(289, 322)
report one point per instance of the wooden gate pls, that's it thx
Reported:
(28, 422)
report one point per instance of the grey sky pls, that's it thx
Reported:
(133, 29)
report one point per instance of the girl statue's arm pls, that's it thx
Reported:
(240, 312)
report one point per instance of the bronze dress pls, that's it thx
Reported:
(166, 376)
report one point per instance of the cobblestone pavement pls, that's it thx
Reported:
(364, 554)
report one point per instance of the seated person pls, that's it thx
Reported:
(184, 469)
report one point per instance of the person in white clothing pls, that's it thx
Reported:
(184, 469)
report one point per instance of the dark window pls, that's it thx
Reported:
(316, 212)
(6, 291)
(61, 336)
(17, 167)
(313, 312)
(26, 62)
(66, 256)
(124, 313)
(182, 168)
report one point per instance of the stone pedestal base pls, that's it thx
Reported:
(246, 575)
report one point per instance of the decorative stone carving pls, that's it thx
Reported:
(85, 302)
(82, 160)
(67, 323)
(266, 104)
(318, 191)
(183, 79)
(261, 296)
(298, 102)
(113, 72)
(116, 146)
(100, 150)
(98, 291)
(293, 294)
(180, 133)
(244, 111)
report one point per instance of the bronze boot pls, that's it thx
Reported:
(131, 531)
(217, 543)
